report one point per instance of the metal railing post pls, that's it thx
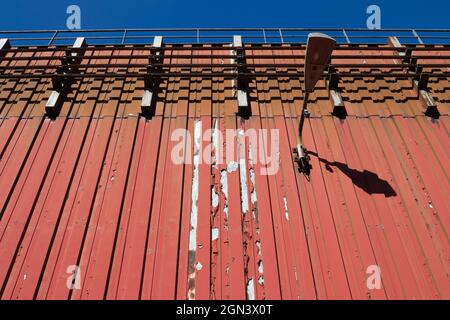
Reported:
(281, 36)
(417, 36)
(53, 37)
(124, 36)
(346, 36)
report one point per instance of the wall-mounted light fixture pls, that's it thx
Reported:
(318, 54)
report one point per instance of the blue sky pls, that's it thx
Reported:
(44, 14)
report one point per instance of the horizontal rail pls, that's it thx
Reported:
(222, 35)
(223, 56)
(249, 47)
(222, 29)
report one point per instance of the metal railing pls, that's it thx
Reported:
(373, 61)
(222, 35)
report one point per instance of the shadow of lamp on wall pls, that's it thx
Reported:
(366, 180)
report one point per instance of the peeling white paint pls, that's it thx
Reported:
(260, 267)
(195, 186)
(214, 234)
(250, 290)
(232, 166)
(215, 139)
(258, 245)
(214, 197)
(244, 188)
(261, 280)
(286, 208)
(224, 189)
(243, 172)
(194, 209)
(253, 196)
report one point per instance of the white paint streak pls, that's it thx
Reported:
(214, 234)
(243, 172)
(215, 139)
(232, 166)
(224, 188)
(286, 208)
(253, 196)
(254, 200)
(260, 267)
(250, 290)
(244, 188)
(261, 280)
(214, 197)
(195, 185)
(258, 245)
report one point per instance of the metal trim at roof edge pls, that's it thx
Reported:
(94, 191)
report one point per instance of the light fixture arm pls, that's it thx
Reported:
(318, 54)
(301, 123)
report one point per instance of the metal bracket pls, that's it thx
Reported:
(421, 86)
(301, 158)
(61, 83)
(335, 95)
(306, 113)
(420, 83)
(4, 45)
(242, 83)
(150, 82)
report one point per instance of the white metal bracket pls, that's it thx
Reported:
(4, 45)
(420, 83)
(242, 83)
(61, 84)
(150, 82)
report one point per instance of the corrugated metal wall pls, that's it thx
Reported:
(96, 188)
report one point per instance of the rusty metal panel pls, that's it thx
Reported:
(97, 190)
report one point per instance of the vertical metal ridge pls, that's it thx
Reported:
(32, 292)
(97, 187)
(81, 247)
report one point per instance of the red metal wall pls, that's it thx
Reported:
(96, 188)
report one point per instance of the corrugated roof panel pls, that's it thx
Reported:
(97, 187)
